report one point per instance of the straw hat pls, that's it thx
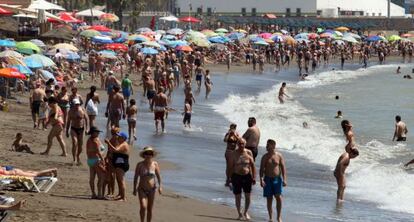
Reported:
(147, 149)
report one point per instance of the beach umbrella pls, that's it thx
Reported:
(108, 17)
(312, 36)
(23, 69)
(5, 12)
(10, 53)
(256, 39)
(138, 38)
(90, 33)
(38, 42)
(265, 35)
(373, 38)
(47, 75)
(218, 39)
(72, 56)
(11, 73)
(143, 30)
(277, 38)
(7, 43)
(236, 35)
(116, 46)
(184, 48)
(349, 39)
(176, 43)
(90, 13)
(201, 42)
(302, 40)
(102, 39)
(45, 5)
(149, 51)
(189, 19)
(269, 41)
(169, 37)
(194, 34)
(342, 29)
(326, 35)
(338, 33)
(320, 30)
(223, 30)
(406, 35)
(100, 28)
(138, 46)
(31, 63)
(109, 54)
(53, 51)
(289, 40)
(394, 38)
(14, 61)
(209, 33)
(151, 44)
(27, 47)
(383, 38)
(43, 60)
(303, 35)
(160, 32)
(170, 18)
(66, 46)
(175, 31)
(353, 35)
(261, 43)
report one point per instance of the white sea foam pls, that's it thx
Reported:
(371, 177)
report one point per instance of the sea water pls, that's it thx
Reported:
(378, 187)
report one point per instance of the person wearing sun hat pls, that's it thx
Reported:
(95, 162)
(120, 161)
(146, 171)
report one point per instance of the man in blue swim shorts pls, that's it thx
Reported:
(273, 178)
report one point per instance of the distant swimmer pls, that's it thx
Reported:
(273, 178)
(305, 125)
(398, 70)
(347, 128)
(338, 115)
(336, 97)
(400, 130)
(339, 172)
(282, 93)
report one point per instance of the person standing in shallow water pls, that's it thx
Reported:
(339, 172)
(252, 137)
(401, 131)
(282, 93)
(347, 129)
(273, 178)
(231, 139)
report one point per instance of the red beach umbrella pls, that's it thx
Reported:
(12, 73)
(189, 19)
(100, 28)
(5, 12)
(117, 46)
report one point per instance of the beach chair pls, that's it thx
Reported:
(36, 184)
(4, 214)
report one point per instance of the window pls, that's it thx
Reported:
(287, 12)
(319, 12)
(199, 11)
(177, 11)
(253, 11)
(243, 11)
(209, 13)
(298, 12)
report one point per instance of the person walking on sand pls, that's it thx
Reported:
(339, 172)
(273, 178)
(56, 120)
(95, 162)
(159, 107)
(347, 129)
(231, 139)
(75, 127)
(127, 89)
(400, 130)
(120, 161)
(115, 109)
(252, 137)
(146, 171)
(131, 113)
(242, 172)
(36, 99)
(282, 93)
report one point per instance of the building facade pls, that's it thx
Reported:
(358, 8)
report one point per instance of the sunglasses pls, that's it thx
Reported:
(148, 154)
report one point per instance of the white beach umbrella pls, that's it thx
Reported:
(170, 18)
(45, 5)
(349, 39)
(90, 13)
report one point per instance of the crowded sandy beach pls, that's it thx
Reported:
(184, 120)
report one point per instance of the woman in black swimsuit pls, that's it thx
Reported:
(120, 161)
(231, 139)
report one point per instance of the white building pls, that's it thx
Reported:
(328, 8)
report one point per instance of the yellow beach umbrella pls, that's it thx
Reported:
(342, 29)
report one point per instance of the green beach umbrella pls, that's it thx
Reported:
(201, 42)
(223, 30)
(27, 48)
(394, 38)
(320, 30)
(90, 33)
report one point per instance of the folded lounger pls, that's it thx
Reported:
(4, 214)
(34, 184)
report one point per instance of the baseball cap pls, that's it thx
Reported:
(122, 135)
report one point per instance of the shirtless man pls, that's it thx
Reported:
(252, 137)
(115, 108)
(159, 107)
(36, 99)
(273, 178)
(242, 172)
(111, 82)
(400, 130)
(339, 173)
(282, 93)
(150, 87)
(76, 125)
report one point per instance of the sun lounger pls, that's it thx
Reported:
(4, 214)
(36, 184)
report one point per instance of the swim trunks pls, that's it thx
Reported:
(126, 92)
(159, 115)
(187, 118)
(151, 94)
(254, 151)
(241, 182)
(36, 107)
(78, 131)
(402, 139)
(273, 186)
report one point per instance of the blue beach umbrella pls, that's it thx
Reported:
(174, 44)
(236, 35)
(102, 39)
(168, 37)
(72, 56)
(302, 36)
(7, 43)
(217, 39)
(47, 75)
(149, 51)
(32, 63)
(23, 69)
(374, 38)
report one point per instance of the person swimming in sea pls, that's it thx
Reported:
(338, 115)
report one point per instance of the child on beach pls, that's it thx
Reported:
(19, 146)
(187, 115)
(44, 110)
(131, 113)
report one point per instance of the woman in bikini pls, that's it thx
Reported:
(11, 171)
(131, 113)
(120, 161)
(63, 102)
(347, 128)
(231, 139)
(56, 120)
(110, 170)
(95, 162)
(146, 171)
